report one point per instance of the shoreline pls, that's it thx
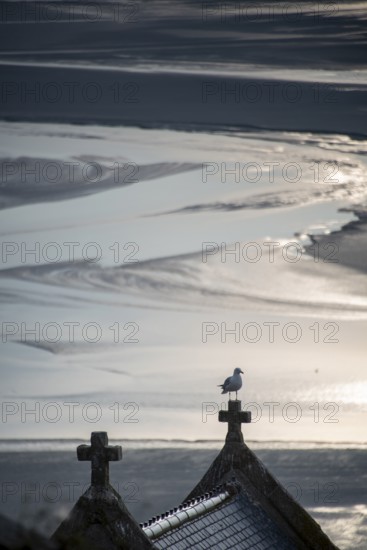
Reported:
(56, 445)
(190, 127)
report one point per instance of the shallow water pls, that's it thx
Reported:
(132, 292)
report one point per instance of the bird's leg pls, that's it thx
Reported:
(229, 396)
(236, 396)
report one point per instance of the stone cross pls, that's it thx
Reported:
(99, 453)
(234, 417)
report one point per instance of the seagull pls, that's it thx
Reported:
(232, 383)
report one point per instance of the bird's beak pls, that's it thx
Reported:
(241, 371)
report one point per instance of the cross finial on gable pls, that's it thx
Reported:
(235, 417)
(100, 453)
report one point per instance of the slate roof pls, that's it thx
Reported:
(260, 514)
(225, 520)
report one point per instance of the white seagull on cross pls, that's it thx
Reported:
(232, 383)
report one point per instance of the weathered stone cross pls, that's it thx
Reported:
(100, 453)
(235, 417)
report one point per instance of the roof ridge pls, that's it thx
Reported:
(189, 510)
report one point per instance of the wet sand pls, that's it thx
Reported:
(180, 101)
(186, 66)
(348, 245)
